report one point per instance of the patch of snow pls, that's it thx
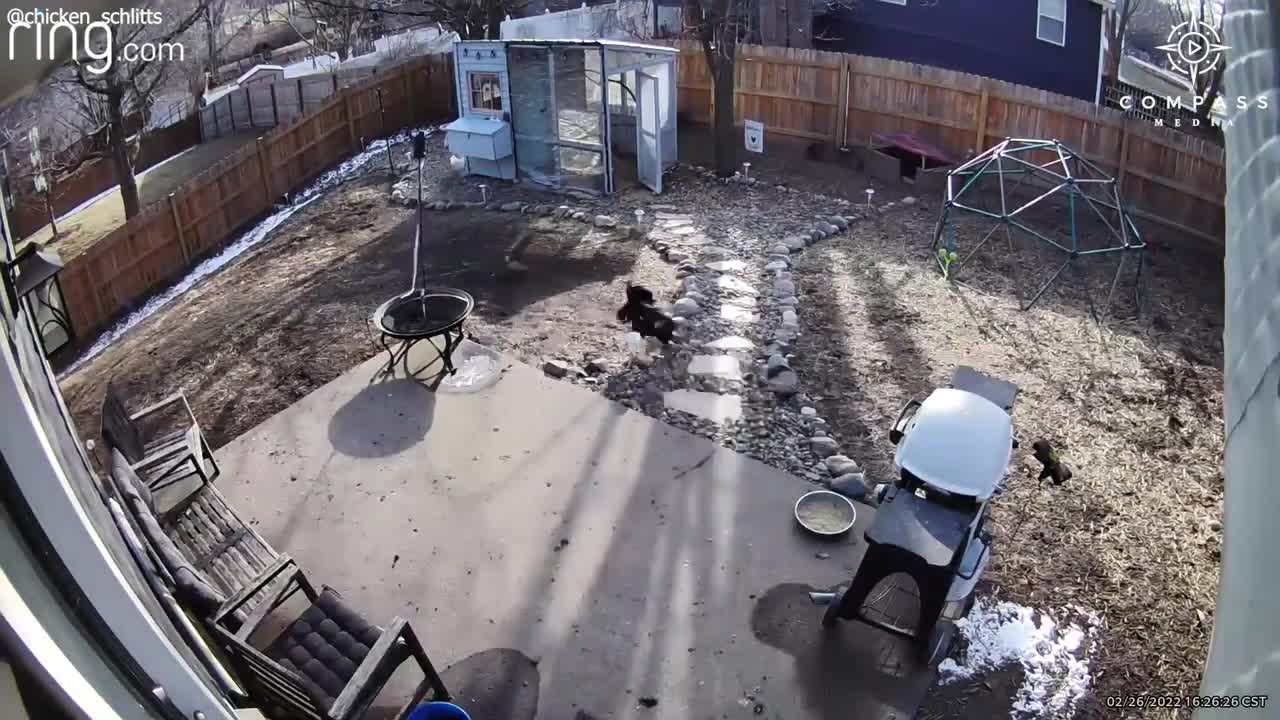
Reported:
(1054, 656)
(349, 168)
(474, 371)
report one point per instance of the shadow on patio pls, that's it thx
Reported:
(632, 563)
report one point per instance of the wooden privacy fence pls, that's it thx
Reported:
(1170, 179)
(166, 238)
(265, 105)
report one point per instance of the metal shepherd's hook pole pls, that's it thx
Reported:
(419, 154)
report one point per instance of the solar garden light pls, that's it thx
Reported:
(870, 192)
(746, 171)
(484, 193)
(639, 216)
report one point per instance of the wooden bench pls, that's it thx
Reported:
(329, 663)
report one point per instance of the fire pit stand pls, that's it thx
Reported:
(420, 315)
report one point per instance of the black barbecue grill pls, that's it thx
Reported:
(422, 313)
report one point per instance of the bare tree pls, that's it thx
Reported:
(339, 23)
(123, 72)
(471, 19)
(1206, 84)
(719, 25)
(47, 140)
(1116, 21)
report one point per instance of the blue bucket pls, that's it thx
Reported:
(438, 711)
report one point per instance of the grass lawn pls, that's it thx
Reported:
(79, 231)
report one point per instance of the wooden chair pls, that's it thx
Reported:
(160, 459)
(329, 663)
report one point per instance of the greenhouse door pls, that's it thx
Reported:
(648, 132)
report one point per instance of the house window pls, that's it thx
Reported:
(1051, 21)
(486, 92)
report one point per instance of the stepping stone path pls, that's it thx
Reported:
(721, 366)
(729, 372)
(707, 405)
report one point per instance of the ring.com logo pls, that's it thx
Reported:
(90, 37)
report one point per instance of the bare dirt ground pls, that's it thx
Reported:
(290, 315)
(1134, 407)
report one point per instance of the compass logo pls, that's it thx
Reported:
(1194, 48)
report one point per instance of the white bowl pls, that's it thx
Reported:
(835, 501)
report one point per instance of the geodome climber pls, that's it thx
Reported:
(996, 185)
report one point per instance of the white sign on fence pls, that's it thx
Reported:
(754, 136)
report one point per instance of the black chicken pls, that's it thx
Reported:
(645, 319)
(1058, 471)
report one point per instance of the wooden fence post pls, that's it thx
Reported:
(842, 104)
(177, 227)
(1122, 163)
(248, 101)
(980, 143)
(408, 97)
(348, 106)
(275, 107)
(264, 167)
(335, 81)
(302, 105)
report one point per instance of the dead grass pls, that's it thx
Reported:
(78, 232)
(1135, 407)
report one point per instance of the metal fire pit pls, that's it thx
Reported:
(423, 314)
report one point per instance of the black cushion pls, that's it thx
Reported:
(325, 646)
(164, 546)
(196, 594)
(127, 481)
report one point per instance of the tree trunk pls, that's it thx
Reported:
(211, 39)
(726, 136)
(1209, 94)
(118, 140)
(48, 207)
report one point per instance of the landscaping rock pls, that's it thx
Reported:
(721, 366)
(775, 365)
(785, 384)
(734, 285)
(838, 465)
(686, 307)
(780, 249)
(597, 366)
(559, 369)
(789, 301)
(815, 235)
(823, 447)
(737, 314)
(853, 486)
(727, 266)
(828, 228)
(604, 221)
(776, 265)
(839, 221)
(908, 200)
(731, 342)
(794, 243)
(706, 405)
(790, 318)
(784, 288)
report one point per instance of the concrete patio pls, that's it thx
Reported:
(628, 559)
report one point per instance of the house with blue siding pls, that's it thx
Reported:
(1053, 45)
